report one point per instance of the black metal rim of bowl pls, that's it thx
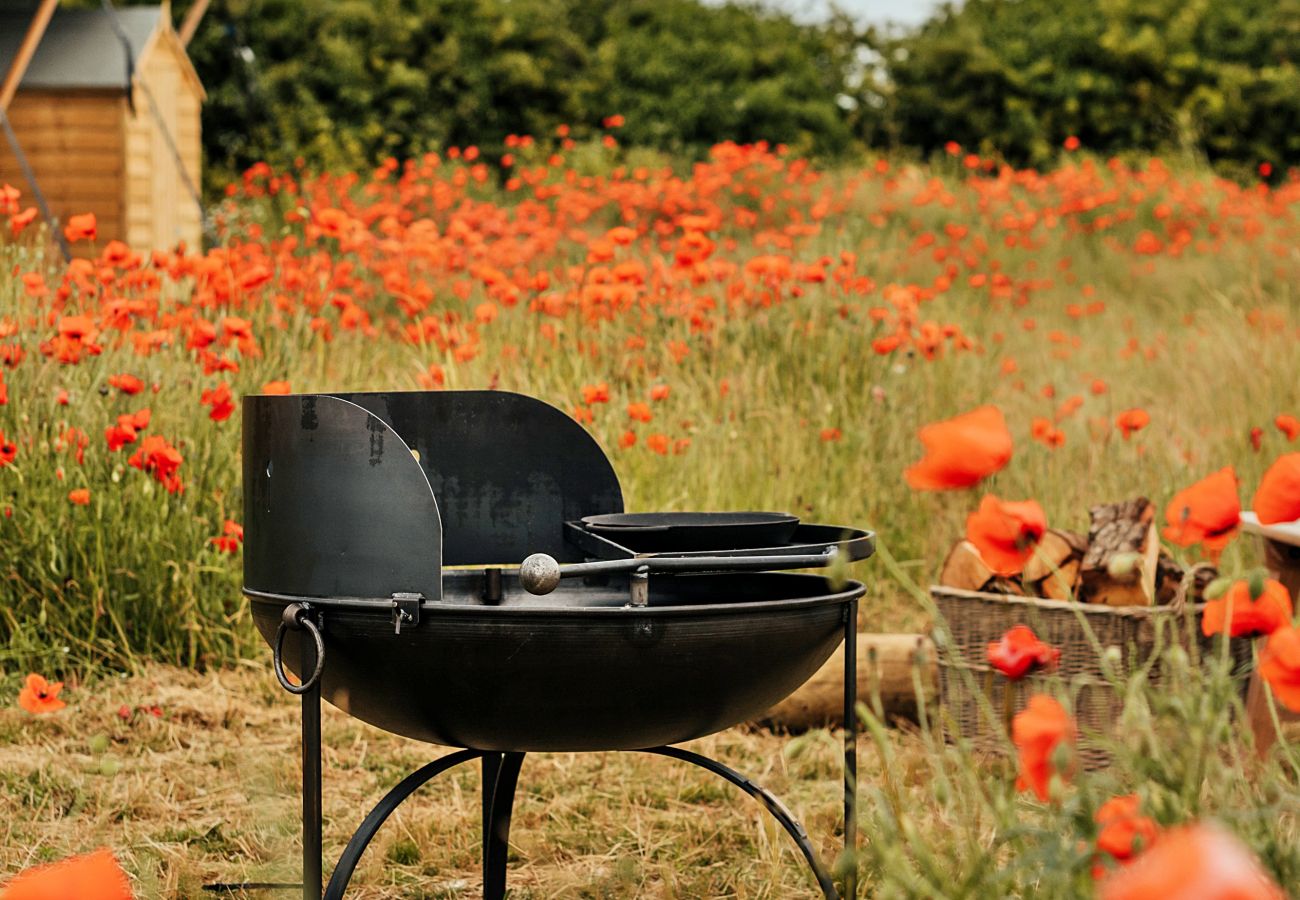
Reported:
(848, 591)
(694, 530)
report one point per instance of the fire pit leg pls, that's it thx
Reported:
(851, 749)
(770, 802)
(491, 765)
(311, 780)
(496, 824)
(347, 863)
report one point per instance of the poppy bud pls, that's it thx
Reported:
(1062, 756)
(1217, 588)
(1124, 566)
(1255, 582)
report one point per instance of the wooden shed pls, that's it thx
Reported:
(104, 128)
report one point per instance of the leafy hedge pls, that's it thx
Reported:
(348, 82)
(1021, 76)
(353, 81)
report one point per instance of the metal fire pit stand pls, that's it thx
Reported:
(501, 777)
(368, 512)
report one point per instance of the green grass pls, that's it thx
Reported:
(1203, 340)
(132, 575)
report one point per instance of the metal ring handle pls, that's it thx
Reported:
(304, 621)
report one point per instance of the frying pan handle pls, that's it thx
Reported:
(540, 573)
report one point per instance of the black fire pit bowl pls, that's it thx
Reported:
(576, 670)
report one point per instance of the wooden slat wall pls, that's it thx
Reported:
(159, 209)
(74, 143)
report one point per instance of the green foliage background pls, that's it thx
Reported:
(1215, 78)
(351, 81)
(348, 82)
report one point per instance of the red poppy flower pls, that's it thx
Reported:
(118, 436)
(219, 398)
(1124, 833)
(1277, 499)
(157, 456)
(1279, 665)
(660, 392)
(961, 451)
(232, 535)
(595, 393)
(277, 387)
(79, 497)
(1042, 430)
(1036, 731)
(1196, 862)
(39, 696)
(19, 221)
(1005, 532)
(1020, 652)
(1206, 513)
(639, 412)
(8, 451)
(1250, 616)
(95, 876)
(1132, 420)
(1288, 425)
(658, 443)
(127, 384)
(224, 544)
(80, 228)
(127, 429)
(627, 439)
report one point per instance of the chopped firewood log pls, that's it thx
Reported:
(964, 569)
(1001, 585)
(1059, 585)
(1119, 567)
(886, 666)
(1169, 574)
(1053, 570)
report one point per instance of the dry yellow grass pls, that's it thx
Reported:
(209, 792)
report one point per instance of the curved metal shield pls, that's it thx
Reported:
(508, 470)
(335, 505)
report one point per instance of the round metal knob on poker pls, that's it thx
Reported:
(539, 573)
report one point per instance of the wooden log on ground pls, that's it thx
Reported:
(1119, 567)
(885, 663)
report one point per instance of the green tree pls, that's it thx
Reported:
(1019, 76)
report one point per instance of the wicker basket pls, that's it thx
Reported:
(976, 619)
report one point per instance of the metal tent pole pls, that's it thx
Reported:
(43, 206)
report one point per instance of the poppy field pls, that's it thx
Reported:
(930, 351)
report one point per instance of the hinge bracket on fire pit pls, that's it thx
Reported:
(406, 610)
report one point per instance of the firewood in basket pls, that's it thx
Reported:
(1053, 570)
(1169, 574)
(965, 569)
(1119, 567)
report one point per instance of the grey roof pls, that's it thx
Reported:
(81, 48)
